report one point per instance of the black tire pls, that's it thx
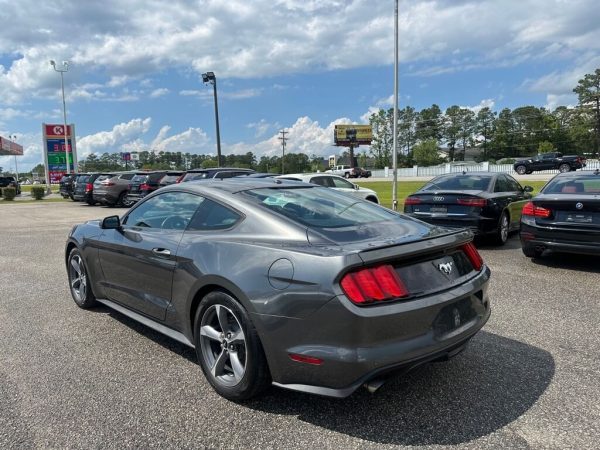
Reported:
(563, 168)
(521, 169)
(121, 200)
(217, 361)
(501, 235)
(532, 252)
(72, 198)
(347, 175)
(529, 172)
(80, 283)
(90, 202)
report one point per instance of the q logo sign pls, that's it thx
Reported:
(58, 130)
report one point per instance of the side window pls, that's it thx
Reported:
(501, 184)
(341, 183)
(168, 211)
(213, 216)
(321, 181)
(127, 176)
(514, 185)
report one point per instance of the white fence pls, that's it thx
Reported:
(433, 171)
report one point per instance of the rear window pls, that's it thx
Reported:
(156, 176)
(319, 207)
(585, 185)
(459, 183)
(139, 178)
(83, 178)
(102, 178)
(190, 176)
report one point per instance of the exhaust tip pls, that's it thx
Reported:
(373, 385)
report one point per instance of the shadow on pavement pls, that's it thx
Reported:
(512, 243)
(482, 390)
(569, 261)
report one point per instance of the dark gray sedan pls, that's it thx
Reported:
(283, 282)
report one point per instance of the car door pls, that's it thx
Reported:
(509, 197)
(339, 184)
(139, 258)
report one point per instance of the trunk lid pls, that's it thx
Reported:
(445, 203)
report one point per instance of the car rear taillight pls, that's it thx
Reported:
(373, 284)
(412, 201)
(107, 183)
(473, 255)
(180, 179)
(535, 211)
(144, 187)
(89, 187)
(478, 202)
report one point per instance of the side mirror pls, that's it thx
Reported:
(356, 186)
(111, 223)
(527, 189)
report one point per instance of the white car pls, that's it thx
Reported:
(334, 182)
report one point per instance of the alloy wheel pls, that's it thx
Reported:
(504, 228)
(223, 345)
(78, 278)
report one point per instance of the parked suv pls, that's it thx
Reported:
(83, 190)
(141, 185)
(170, 177)
(9, 182)
(67, 185)
(221, 172)
(111, 190)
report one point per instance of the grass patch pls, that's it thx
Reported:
(405, 188)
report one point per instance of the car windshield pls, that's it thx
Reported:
(319, 207)
(582, 184)
(459, 183)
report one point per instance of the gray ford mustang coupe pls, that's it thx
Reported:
(282, 282)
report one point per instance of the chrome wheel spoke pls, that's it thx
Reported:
(236, 366)
(218, 367)
(238, 337)
(210, 333)
(76, 265)
(74, 282)
(222, 317)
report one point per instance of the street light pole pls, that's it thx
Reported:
(395, 127)
(65, 68)
(209, 77)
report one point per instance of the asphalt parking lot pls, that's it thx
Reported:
(71, 378)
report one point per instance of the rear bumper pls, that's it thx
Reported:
(83, 197)
(137, 196)
(358, 344)
(105, 197)
(581, 241)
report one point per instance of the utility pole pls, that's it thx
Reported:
(283, 140)
(395, 128)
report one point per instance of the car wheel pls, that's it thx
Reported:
(502, 230)
(72, 198)
(79, 281)
(521, 170)
(229, 349)
(532, 252)
(564, 168)
(347, 175)
(529, 172)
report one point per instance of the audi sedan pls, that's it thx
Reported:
(489, 204)
(284, 283)
(564, 216)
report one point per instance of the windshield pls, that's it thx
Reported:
(586, 185)
(459, 183)
(319, 207)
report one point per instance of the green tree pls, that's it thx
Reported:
(407, 128)
(484, 128)
(381, 147)
(467, 123)
(430, 124)
(451, 130)
(426, 153)
(588, 92)
(545, 147)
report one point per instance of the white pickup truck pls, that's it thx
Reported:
(342, 171)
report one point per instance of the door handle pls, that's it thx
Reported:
(164, 252)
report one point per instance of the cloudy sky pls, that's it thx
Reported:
(134, 81)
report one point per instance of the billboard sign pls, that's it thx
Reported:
(352, 135)
(55, 152)
(10, 148)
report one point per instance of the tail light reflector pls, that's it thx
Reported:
(536, 211)
(373, 284)
(412, 201)
(478, 202)
(144, 187)
(473, 255)
(89, 187)
(180, 179)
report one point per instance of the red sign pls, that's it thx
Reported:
(57, 131)
(55, 176)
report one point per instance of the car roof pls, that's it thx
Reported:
(236, 184)
(220, 169)
(308, 175)
(578, 173)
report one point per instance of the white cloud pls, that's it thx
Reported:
(486, 103)
(159, 92)
(113, 140)
(246, 39)
(261, 127)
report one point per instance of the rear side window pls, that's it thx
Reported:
(213, 216)
(127, 176)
